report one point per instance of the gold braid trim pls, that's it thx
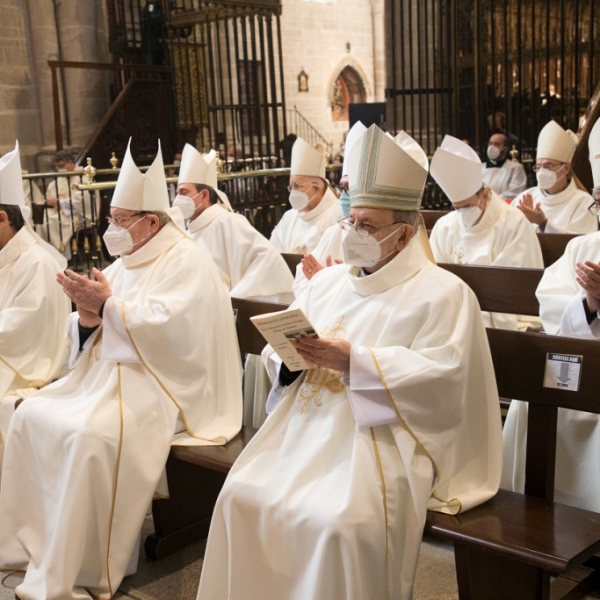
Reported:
(385, 510)
(405, 425)
(115, 478)
(220, 439)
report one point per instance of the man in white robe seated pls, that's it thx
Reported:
(506, 177)
(68, 209)
(569, 296)
(314, 204)
(556, 204)
(329, 249)
(399, 414)
(33, 309)
(483, 229)
(155, 361)
(253, 265)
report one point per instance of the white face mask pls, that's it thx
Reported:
(118, 240)
(299, 200)
(186, 204)
(364, 251)
(493, 152)
(469, 215)
(547, 178)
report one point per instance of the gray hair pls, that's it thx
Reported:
(411, 217)
(163, 217)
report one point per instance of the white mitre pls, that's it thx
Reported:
(356, 132)
(11, 184)
(11, 193)
(457, 169)
(412, 148)
(307, 160)
(139, 192)
(594, 148)
(382, 174)
(201, 169)
(556, 143)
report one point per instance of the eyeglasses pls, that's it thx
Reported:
(594, 208)
(341, 188)
(346, 225)
(118, 221)
(549, 166)
(298, 187)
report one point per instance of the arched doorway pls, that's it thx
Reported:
(348, 88)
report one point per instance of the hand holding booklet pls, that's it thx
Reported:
(282, 330)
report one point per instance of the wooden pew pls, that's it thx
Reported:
(553, 246)
(196, 473)
(510, 546)
(431, 216)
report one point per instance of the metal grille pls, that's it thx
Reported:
(470, 68)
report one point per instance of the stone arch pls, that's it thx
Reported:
(347, 87)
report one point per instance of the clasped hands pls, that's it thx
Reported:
(534, 215)
(587, 275)
(88, 295)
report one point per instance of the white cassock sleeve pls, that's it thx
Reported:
(116, 345)
(574, 322)
(369, 400)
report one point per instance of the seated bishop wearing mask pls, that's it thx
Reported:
(155, 361)
(399, 414)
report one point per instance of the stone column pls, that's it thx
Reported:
(19, 106)
(377, 13)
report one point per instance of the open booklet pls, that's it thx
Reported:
(282, 330)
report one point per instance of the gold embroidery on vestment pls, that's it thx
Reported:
(318, 378)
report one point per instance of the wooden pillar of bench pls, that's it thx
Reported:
(484, 575)
(184, 517)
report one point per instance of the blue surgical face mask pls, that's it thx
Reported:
(345, 203)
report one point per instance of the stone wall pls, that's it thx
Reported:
(29, 37)
(315, 38)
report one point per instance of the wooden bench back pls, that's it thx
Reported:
(431, 216)
(292, 261)
(501, 289)
(520, 364)
(249, 338)
(553, 246)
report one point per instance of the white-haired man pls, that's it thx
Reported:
(314, 204)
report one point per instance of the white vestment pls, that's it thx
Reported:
(329, 499)
(93, 445)
(300, 232)
(73, 211)
(567, 211)
(508, 180)
(33, 314)
(255, 268)
(577, 479)
(253, 265)
(502, 238)
(331, 244)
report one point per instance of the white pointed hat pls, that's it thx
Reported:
(11, 193)
(556, 143)
(201, 169)
(138, 191)
(457, 169)
(11, 184)
(594, 148)
(412, 148)
(356, 132)
(307, 160)
(382, 174)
